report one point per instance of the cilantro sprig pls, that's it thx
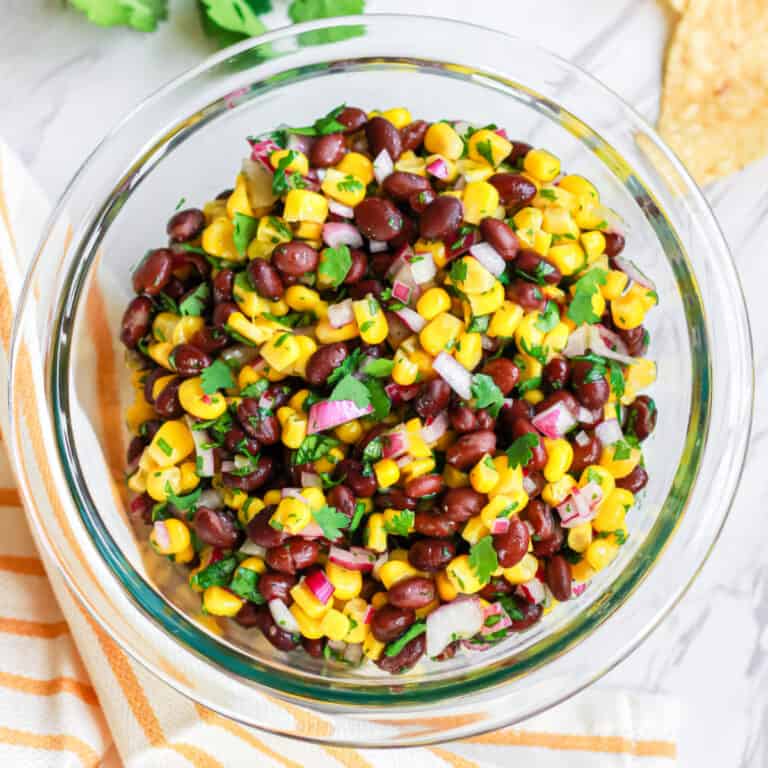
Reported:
(217, 375)
(335, 264)
(519, 452)
(483, 559)
(331, 521)
(486, 394)
(581, 309)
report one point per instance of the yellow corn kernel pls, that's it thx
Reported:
(307, 601)
(559, 459)
(309, 230)
(254, 563)
(218, 239)
(442, 139)
(610, 516)
(169, 537)
(486, 303)
(601, 552)
(483, 475)
(185, 556)
(404, 371)
(627, 312)
(331, 459)
(528, 335)
(272, 230)
(308, 626)
(418, 467)
(373, 648)
(505, 320)
(355, 609)
(481, 200)
(370, 320)
(189, 479)
(394, 571)
(213, 209)
(248, 375)
(640, 374)
(171, 444)
(462, 576)
(542, 242)
(567, 257)
(542, 165)
(234, 497)
(594, 473)
(335, 625)
(303, 205)
(558, 221)
(530, 367)
(160, 481)
(301, 298)
(498, 506)
(250, 507)
(137, 482)
(474, 530)
(553, 197)
(379, 599)
(195, 401)
(473, 170)
(433, 302)
(292, 515)
(395, 517)
(556, 493)
(238, 201)
(314, 497)
(219, 601)
(347, 584)
(161, 353)
(350, 432)
(620, 459)
(186, 328)
(556, 340)
(281, 351)
(327, 334)
(357, 165)
(580, 537)
(297, 401)
(435, 247)
(164, 325)
(487, 146)
(398, 116)
(579, 186)
(273, 497)
(441, 333)
(615, 283)
(387, 472)
(343, 187)
(376, 535)
(533, 396)
(523, 571)
(307, 347)
(528, 221)
(299, 162)
(469, 350)
(445, 587)
(455, 478)
(582, 571)
(593, 244)
(258, 331)
(591, 214)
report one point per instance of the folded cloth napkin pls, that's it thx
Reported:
(69, 696)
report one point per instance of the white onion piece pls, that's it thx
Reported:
(282, 616)
(311, 531)
(341, 314)
(211, 499)
(458, 378)
(398, 263)
(609, 432)
(355, 559)
(581, 506)
(201, 438)
(383, 166)
(334, 206)
(435, 429)
(633, 272)
(451, 621)
(581, 439)
(598, 345)
(336, 233)
(554, 421)
(489, 257)
(532, 591)
(578, 342)
(487, 343)
(252, 548)
(411, 318)
(423, 268)
(320, 173)
(377, 246)
(462, 127)
(160, 532)
(311, 480)
(353, 653)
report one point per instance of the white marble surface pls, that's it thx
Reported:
(64, 82)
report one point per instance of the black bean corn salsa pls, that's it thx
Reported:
(388, 389)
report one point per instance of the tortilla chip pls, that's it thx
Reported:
(714, 108)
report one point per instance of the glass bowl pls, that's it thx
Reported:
(69, 387)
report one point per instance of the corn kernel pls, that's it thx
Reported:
(387, 472)
(373, 648)
(308, 626)
(473, 170)
(350, 432)
(593, 244)
(370, 320)
(474, 530)
(327, 334)
(483, 475)
(238, 201)
(523, 571)
(499, 506)
(186, 328)
(442, 139)
(558, 221)
(579, 186)
(505, 320)
(594, 473)
(195, 401)
(556, 493)
(542, 165)
(169, 537)
(376, 535)
(462, 576)
(559, 458)
(580, 537)
(620, 459)
(434, 247)
(345, 188)
(189, 478)
(487, 303)
(306, 600)
(219, 601)
(433, 302)
(347, 584)
(455, 478)
(398, 116)
(218, 239)
(567, 257)
(160, 481)
(441, 333)
(250, 507)
(303, 205)
(171, 444)
(281, 351)
(469, 350)
(488, 146)
(601, 553)
(481, 200)
(394, 571)
(357, 165)
(301, 298)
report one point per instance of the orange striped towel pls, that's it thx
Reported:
(69, 696)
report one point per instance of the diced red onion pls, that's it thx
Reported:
(609, 432)
(311, 181)
(500, 525)
(423, 268)
(605, 342)
(354, 559)
(369, 611)
(610, 338)
(380, 560)
(311, 480)
(382, 166)
(458, 378)
(578, 587)
(402, 257)
(251, 548)
(554, 421)
(334, 206)
(394, 444)
(503, 133)
(532, 591)
(341, 314)
(282, 616)
(439, 169)
(458, 619)
(403, 461)
(228, 466)
(435, 429)
(633, 272)
(299, 143)
(337, 233)
(201, 438)
(160, 532)
(411, 318)
(581, 439)
(529, 486)
(377, 246)
(318, 583)
(328, 414)
(489, 257)
(504, 622)
(339, 646)
(581, 506)
(474, 646)
(401, 291)
(260, 152)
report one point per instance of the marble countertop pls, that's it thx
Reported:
(64, 83)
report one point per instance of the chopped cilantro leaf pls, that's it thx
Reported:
(519, 452)
(313, 448)
(194, 304)
(255, 388)
(244, 230)
(487, 394)
(380, 368)
(347, 367)
(581, 309)
(331, 521)
(216, 376)
(616, 377)
(549, 318)
(245, 584)
(349, 184)
(323, 125)
(216, 574)
(379, 399)
(335, 264)
(416, 629)
(483, 559)
(358, 516)
(458, 271)
(183, 503)
(401, 524)
(548, 194)
(164, 446)
(350, 388)
(485, 150)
